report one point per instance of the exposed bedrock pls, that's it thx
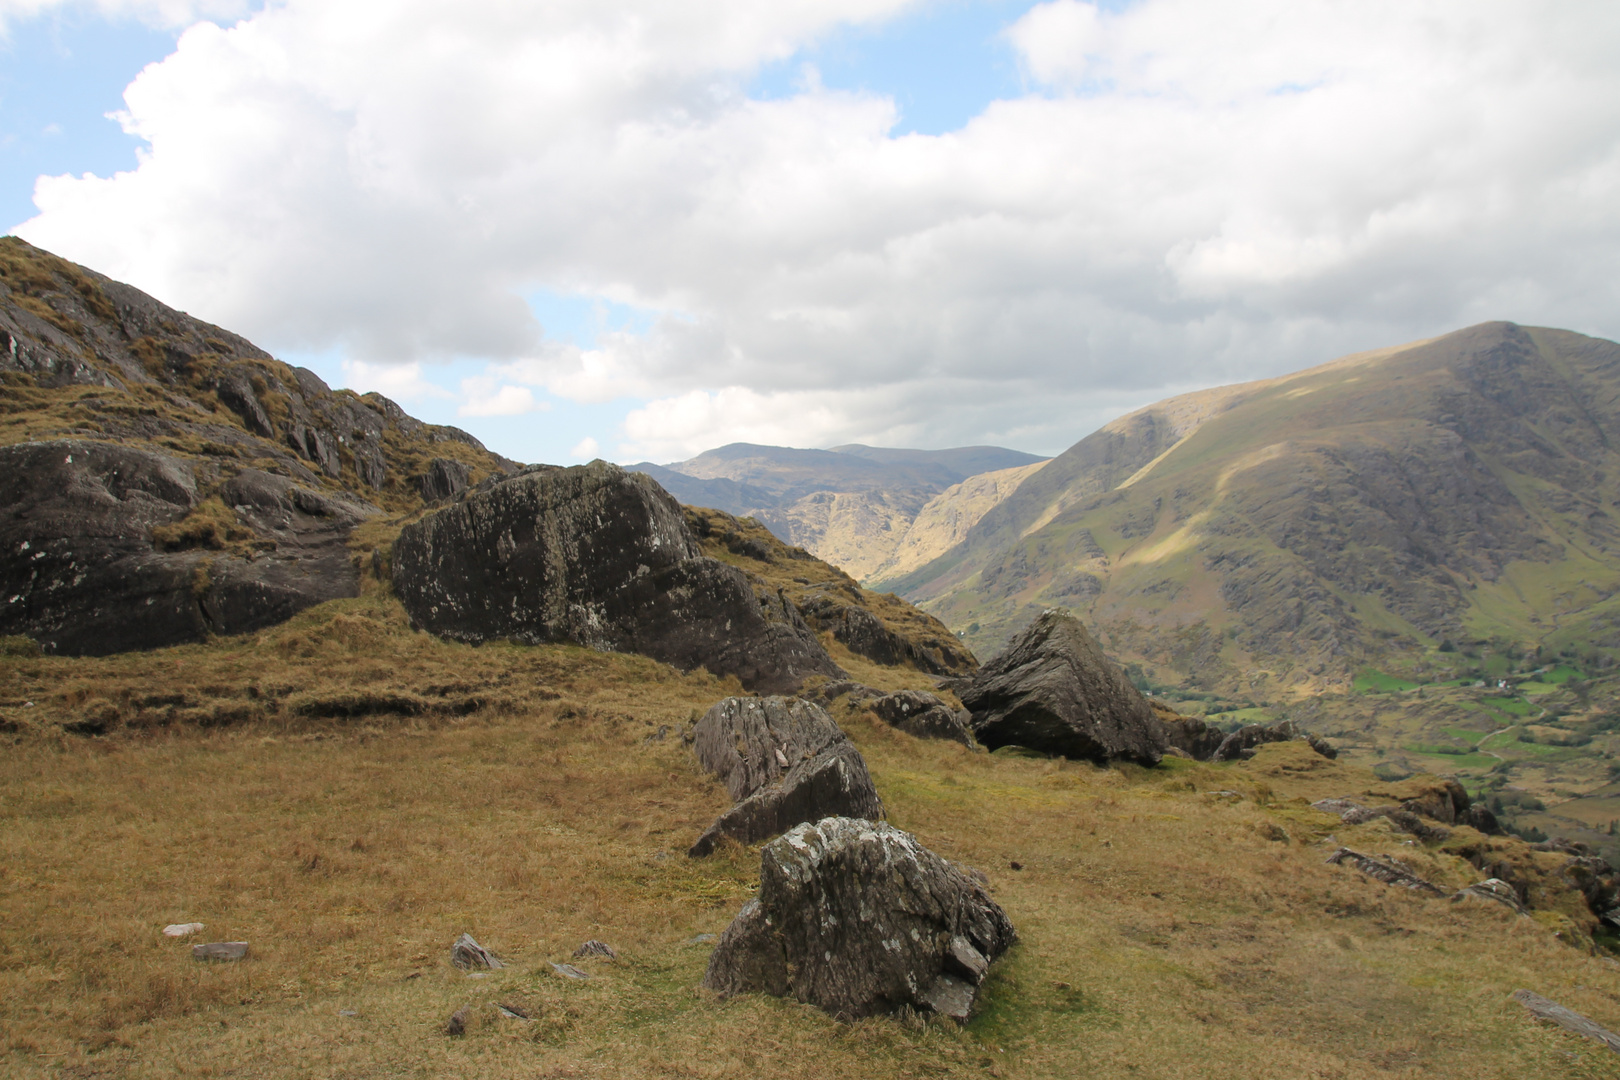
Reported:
(100, 553)
(600, 557)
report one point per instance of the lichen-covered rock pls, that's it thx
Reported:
(922, 714)
(603, 558)
(1194, 737)
(1054, 691)
(858, 918)
(81, 572)
(784, 761)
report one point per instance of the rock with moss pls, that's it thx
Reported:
(858, 918)
(925, 715)
(603, 558)
(1054, 691)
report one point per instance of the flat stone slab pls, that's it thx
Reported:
(220, 950)
(1568, 1019)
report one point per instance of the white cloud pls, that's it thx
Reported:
(485, 398)
(1190, 193)
(402, 382)
(585, 450)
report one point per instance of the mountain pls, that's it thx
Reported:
(852, 505)
(1277, 536)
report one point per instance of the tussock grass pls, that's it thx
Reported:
(1175, 922)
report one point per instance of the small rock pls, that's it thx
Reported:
(1016, 865)
(1493, 889)
(512, 1012)
(1386, 870)
(220, 950)
(458, 1022)
(467, 953)
(347, 1012)
(595, 948)
(569, 971)
(182, 929)
(926, 716)
(702, 939)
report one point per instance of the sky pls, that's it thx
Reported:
(639, 229)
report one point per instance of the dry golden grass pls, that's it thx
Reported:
(1166, 931)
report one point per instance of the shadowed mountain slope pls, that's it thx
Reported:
(1287, 531)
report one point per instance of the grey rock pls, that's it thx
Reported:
(220, 950)
(466, 953)
(81, 574)
(1494, 889)
(1338, 807)
(1387, 870)
(1402, 820)
(924, 715)
(1568, 1019)
(457, 1025)
(1194, 737)
(702, 939)
(569, 971)
(445, 478)
(1243, 742)
(603, 558)
(784, 761)
(1479, 816)
(858, 918)
(595, 948)
(1054, 691)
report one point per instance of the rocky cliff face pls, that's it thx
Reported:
(166, 479)
(854, 506)
(600, 557)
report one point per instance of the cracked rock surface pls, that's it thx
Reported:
(784, 761)
(858, 918)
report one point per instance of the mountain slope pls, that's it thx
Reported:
(851, 505)
(1289, 531)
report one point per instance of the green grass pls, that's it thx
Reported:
(1509, 708)
(1372, 681)
(1451, 762)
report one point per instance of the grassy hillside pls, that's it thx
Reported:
(349, 796)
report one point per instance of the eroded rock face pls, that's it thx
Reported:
(785, 762)
(600, 557)
(924, 715)
(81, 574)
(1243, 742)
(1053, 690)
(858, 918)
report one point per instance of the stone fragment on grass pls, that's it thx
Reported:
(1493, 889)
(1385, 869)
(220, 950)
(458, 1023)
(569, 971)
(858, 918)
(745, 741)
(467, 953)
(184, 929)
(1568, 1019)
(595, 948)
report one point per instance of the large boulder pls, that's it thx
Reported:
(859, 918)
(1054, 691)
(922, 714)
(600, 557)
(101, 551)
(784, 761)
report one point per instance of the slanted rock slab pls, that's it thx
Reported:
(466, 954)
(1054, 691)
(858, 918)
(784, 761)
(220, 950)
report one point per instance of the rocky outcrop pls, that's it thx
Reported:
(107, 548)
(858, 918)
(444, 479)
(1243, 742)
(864, 634)
(784, 761)
(924, 715)
(1054, 691)
(1191, 735)
(603, 558)
(1382, 868)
